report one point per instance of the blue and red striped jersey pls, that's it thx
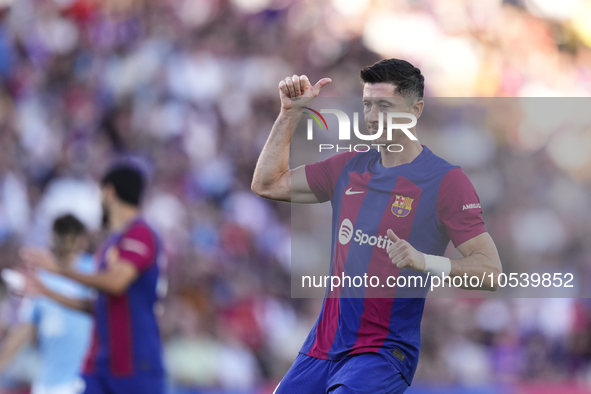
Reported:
(427, 202)
(126, 340)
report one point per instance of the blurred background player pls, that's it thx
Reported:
(63, 334)
(126, 353)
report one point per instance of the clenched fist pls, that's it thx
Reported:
(297, 91)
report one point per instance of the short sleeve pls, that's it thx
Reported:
(322, 176)
(458, 207)
(29, 311)
(138, 247)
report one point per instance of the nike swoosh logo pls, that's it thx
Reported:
(348, 192)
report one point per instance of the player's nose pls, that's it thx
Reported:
(372, 120)
(372, 116)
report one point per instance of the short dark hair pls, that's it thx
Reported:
(409, 81)
(128, 182)
(68, 225)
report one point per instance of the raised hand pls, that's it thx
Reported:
(403, 254)
(297, 91)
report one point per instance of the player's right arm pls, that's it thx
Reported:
(114, 280)
(79, 304)
(273, 179)
(35, 287)
(16, 338)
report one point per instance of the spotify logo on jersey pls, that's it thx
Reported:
(345, 232)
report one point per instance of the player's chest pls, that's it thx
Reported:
(382, 203)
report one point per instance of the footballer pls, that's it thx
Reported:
(415, 199)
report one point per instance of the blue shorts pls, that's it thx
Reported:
(368, 373)
(99, 384)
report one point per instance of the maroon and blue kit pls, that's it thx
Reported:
(126, 352)
(365, 329)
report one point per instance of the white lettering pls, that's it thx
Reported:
(358, 235)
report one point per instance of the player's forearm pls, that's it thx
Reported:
(273, 162)
(115, 280)
(479, 265)
(15, 340)
(79, 304)
(102, 282)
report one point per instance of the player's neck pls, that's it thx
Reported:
(121, 215)
(392, 159)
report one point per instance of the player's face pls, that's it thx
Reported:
(67, 246)
(381, 98)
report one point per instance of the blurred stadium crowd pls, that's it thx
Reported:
(188, 89)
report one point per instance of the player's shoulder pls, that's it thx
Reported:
(449, 174)
(455, 177)
(139, 234)
(449, 177)
(452, 178)
(142, 227)
(139, 228)
(437, 163)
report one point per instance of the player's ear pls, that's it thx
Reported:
(417, 108)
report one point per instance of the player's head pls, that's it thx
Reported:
(391, 85)
(121, 185)
(69, 237)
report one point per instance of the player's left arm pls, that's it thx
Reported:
(115, 279)
(125, 261)
(460, 215)
(481, 259)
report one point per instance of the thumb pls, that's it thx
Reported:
(393, 237)
(320, 84)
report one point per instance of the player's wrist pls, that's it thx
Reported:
(437, 265)
(292, 110)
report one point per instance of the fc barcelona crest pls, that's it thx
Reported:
(402, 206)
